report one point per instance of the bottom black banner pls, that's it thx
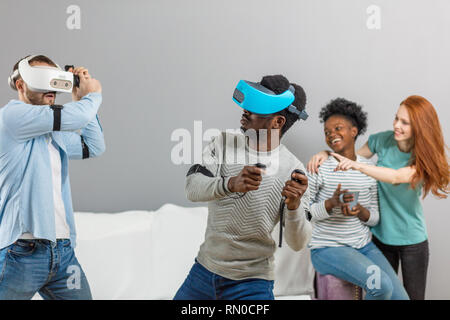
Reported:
(180, 310)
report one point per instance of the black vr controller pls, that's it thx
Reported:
(260, 165)
(297, 171)
(282, 204)
(76, 79)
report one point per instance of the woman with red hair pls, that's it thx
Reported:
(411, 161)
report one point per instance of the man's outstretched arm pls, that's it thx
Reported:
(90, 143)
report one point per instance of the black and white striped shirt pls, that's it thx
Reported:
(334, 229)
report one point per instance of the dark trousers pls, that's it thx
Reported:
(414, 261)
(202, 284)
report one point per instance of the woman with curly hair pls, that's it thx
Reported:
(411, 161)
(341, 239)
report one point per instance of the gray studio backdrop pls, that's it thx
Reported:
(165, 64)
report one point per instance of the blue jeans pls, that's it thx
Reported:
(366, 267)
(30, 266)
(202, 284)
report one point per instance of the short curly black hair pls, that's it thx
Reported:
(279, 84)
(347, 109)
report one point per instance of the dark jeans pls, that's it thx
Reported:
(202, 284)
(414, 260)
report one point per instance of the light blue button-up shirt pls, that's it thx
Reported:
(26, 190)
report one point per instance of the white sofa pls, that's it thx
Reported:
(148, 254)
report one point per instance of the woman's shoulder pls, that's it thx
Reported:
(380, 140)
(383, 135)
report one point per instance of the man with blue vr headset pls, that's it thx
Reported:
(37, 138)
(248, 195)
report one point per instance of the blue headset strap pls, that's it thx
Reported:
(300, 114)
(292, 109)
(257, 99)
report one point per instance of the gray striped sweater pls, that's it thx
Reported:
(334, 229)
(238, 243)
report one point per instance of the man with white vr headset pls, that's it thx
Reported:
(251, 182)
(37, 138)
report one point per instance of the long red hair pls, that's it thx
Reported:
(429, 151)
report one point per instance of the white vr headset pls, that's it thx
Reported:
(42, 78)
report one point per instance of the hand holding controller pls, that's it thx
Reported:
(295, 188)
(292, 193)
(76, 79)
(83, 82)
(248, 179)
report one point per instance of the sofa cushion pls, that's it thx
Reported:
(113, 252)
(148, 254)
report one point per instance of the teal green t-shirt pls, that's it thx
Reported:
(401, 215)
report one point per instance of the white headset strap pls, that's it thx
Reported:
(35, 55)
(16, 72)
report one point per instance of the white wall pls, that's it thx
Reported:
(165, 64)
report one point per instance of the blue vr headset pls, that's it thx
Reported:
(257, 99)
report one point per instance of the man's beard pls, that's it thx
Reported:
(36, 98)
